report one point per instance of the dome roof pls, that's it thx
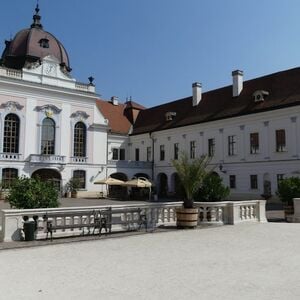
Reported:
(31, 45)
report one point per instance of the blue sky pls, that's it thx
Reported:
(153, 50)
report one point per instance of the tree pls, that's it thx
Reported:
(212, 189)
(191, 174)
(29, 193)
(288, 189)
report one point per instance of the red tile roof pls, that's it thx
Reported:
(117, 121)
(283, 88)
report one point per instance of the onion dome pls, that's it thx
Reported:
(31, 45)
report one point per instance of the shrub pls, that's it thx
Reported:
(28, 193)
(212, 189)
(288, 189)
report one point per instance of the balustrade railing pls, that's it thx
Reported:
(227, 212)
(49, 159)
(129, 164)
(79, 160)
(10, 156)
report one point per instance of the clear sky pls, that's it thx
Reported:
(153, 50)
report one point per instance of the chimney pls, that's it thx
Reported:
(197, 93)
(115, 100)
(237, 83)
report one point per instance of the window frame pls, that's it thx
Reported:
(83, 172)
(11, 134)
(9, 180)
(47, 147)
(254, 143)
(253, 182)
(232, 181)
(162, 152)
(232, 142)
(79, 140)
(176, 151)
(211, 147)
(192, 149)
(280, 139)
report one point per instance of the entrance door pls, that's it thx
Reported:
(49, 175)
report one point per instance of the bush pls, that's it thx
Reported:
(28, 193)
(288, 189)
(212, 189)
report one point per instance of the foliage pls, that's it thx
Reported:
(28, 193)
(73, 185)
(288, 189)
(212, 189)
(191, 174)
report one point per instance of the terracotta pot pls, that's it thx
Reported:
(187, 217)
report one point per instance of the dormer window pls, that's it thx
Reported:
(44, 43)
(260, 95)
(170, 115)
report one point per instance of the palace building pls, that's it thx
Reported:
(56, 128)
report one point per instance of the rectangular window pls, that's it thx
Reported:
(232, 181)
(115, 154)
(137, 154)
(80, 175)
(280, 140)
(231, 145)
(192, 149)
(149, 154)
(8, 176)
(211, 147)
(162, 152)
(254, 143)
(279, 179)
(253, 181)
(122, 154)
(176, 150)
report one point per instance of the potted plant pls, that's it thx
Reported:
(191, 174)
(73, 186)
(288, 189)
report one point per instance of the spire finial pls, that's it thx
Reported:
(37, 18)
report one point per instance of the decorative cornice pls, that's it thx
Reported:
(12, 106)
(49, 109)
(82, 115)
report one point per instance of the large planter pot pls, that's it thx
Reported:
(187, 217)
(288, 209)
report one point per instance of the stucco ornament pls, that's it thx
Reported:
(49, 110)
(12, 106)
(79, 115)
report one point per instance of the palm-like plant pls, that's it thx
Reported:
(191, 174)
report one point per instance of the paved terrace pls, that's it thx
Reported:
(246, 261)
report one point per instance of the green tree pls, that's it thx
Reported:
(28, 193)
(191, 174)
(212, 189)
(288, 189)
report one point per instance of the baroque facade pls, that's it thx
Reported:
(56, 128)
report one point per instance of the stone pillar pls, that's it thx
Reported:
(262, 211)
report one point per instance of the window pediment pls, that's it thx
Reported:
(48, 110)
(12, 106)
(79, 115)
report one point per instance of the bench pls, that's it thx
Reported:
(96, 219)
(129, 217)
(66, 221)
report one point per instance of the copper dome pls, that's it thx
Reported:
(33, 44)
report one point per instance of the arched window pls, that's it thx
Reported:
(48, 137)
(11, 134)
(8, 176)
(80, 139)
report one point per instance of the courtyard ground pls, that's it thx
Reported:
(247, 261)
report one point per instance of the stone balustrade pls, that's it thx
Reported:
(79, 160)
(47, 159)
(10, 156)
(158, 214)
